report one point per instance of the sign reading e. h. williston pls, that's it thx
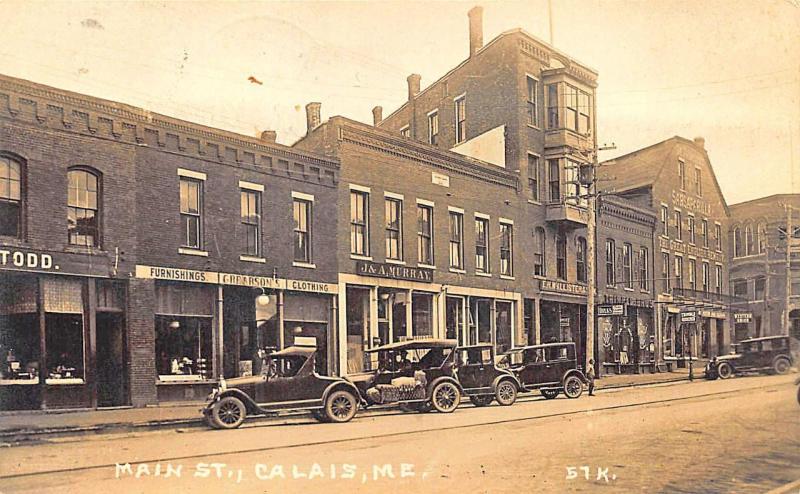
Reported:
(395, 272)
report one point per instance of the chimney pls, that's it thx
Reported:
(269, 136)
(475, 29)
(377, 115)
(413, 85)
(700, 142)
(312, 116)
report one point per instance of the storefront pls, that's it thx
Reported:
(627, 336)
(562, 314)
(700, 338)
(62, 336)
(386, 302)
(209, 324)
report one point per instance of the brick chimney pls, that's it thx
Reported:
(377, 115)
(475, 29)
(269, 136)
(313, 118)
(700, 142)
(413, 85)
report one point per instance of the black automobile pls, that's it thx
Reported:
(288, 381)
(417, 374)
(766, 354)
(482, 380)
(551, 368)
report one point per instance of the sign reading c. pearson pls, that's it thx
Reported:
(395, 272)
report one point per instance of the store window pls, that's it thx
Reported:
(183, 325)
(456, 240)
(461, 119)
(19, 331)
(480, 321)
(422, 314)
(561, 256)
(83, 207)
(580, 259)
(504, 316)
(454, 320)
(358, 322)
(539, 252)
(425, 234)
(393, 213)
(481, 245)
(611, 269)
(506, 249)
(302, 212)
(64, 338)
(359, 222)
(11, 197)
(251, 221)
(191, 192)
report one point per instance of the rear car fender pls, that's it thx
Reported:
(785, 356)
(509, 377)
(345, 385)
(574, 372)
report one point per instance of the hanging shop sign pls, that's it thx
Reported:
(743, 317)
(611, 310)
(233, 279)
(394, 272)
(16, 259)
(689, 316)
(562, 287)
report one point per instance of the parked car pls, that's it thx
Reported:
(482, 380)
(418, 374)
(288, 381)
(766, 354)
(551, 368)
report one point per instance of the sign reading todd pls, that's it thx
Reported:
(25, 260)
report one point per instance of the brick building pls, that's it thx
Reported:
(523, 106)
(765, 266)
(674, 180)
(142, 256)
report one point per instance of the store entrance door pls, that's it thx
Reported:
(112, 385)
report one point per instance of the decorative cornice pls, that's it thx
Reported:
(535, 51)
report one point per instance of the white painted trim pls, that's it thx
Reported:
(302, 196)
(251, 186)
(393, 195)
(505, 277)
(481, 215)
(360, 188)
(183, 172)
(252, 259)
(454, 209)
(192, 252)
(435, 110)
(297, 264)
(462, 95)
(426, 266)
(424, 202)
(506, 221)
(457, 270)
(395, 261)
(485, 275)
(360, 257)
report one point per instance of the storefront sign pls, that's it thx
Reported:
(15, 259)
(683, 201)
(564, 322)
(611, 310)
(688, 316)
(392, 271)
(743, 317)
(249, 280)
(690, 250)
(562, 287)
(311, 286)
(713, 314)
(176, 274)
(439, 179)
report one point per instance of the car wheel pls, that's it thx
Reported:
(481, 400)
(341, 406)
(320, 416)
(724, 370)
(445, 397)
(209, 420)
(573, 387)
(228, 413)
(781, 366)
(506, 393)
(549, 393)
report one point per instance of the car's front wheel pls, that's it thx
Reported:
(445, 397)
(724, 370)
(781, 365)
(573, 387)
(549, 394)
(228, 413)
(481, 400)
(506, 393)
(341, 406)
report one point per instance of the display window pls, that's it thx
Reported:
(64, 330)
(503, 324)
(422, 314)
(19, 331)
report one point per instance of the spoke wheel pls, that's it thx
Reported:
(549, 394)
(506, 393)
(229, 413)
(481, 400)
(341, 406)
(573, 387)
(781, 366)
(445, 397)
(724, 370)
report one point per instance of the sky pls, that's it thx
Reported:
(728, 71)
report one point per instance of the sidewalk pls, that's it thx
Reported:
(41, 424)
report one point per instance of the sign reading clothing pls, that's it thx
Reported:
(392, 271)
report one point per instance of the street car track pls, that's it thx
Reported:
(720, 394)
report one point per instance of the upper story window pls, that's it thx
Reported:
(393, 212)
(539, 268)
(191, 212)
(737, 242)
(682, 174)
(83, 200)
(678, 272)
(692, 274)
(704, 232)
(759, 288)
(461, 118)
(554, 180)
(580, 259)
(749, 241)
(678, 225)
(456, 240)
(572, 112)
(574, 192)
(718, 236)
(506, 249)
(665, 278)
(627, 265)
(690, 221)
(481, 245)
(718, 279)
(665, 221)
(705, 277)
(405, 131)
(611, 268)
(561, 256)
(533, 176)
(533, 101)
(644, 269)
(433, 127)
(698, 182)
(251, 221)
(359, 222)
(10, 198)
(761, 233)
(552, 106)
(740, 288)
(302, 212)
(425, 234)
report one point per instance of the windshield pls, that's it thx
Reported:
(287, 366)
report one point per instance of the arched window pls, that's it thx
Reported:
(83, 202)
(737, 242)
(748, 238)
(539, 268)
(761, 234)
(561, 256)
(580, 259)
(10, 197)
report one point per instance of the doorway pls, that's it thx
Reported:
(112, 385)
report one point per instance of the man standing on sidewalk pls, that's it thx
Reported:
(590, 376)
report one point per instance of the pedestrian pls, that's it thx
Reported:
(590, 376)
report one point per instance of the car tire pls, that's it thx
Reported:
(445, 397)
(481, 400)
(209, 420)
(320, 415)
(506, 393)
(228, 413)
(341, 406)
(724, 370)
(549, 393)
(781, 365)
(573, 387)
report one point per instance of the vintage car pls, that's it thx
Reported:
(766, 354)
(288, 381)
(551, 368)
(482, 380)
(417, 374)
